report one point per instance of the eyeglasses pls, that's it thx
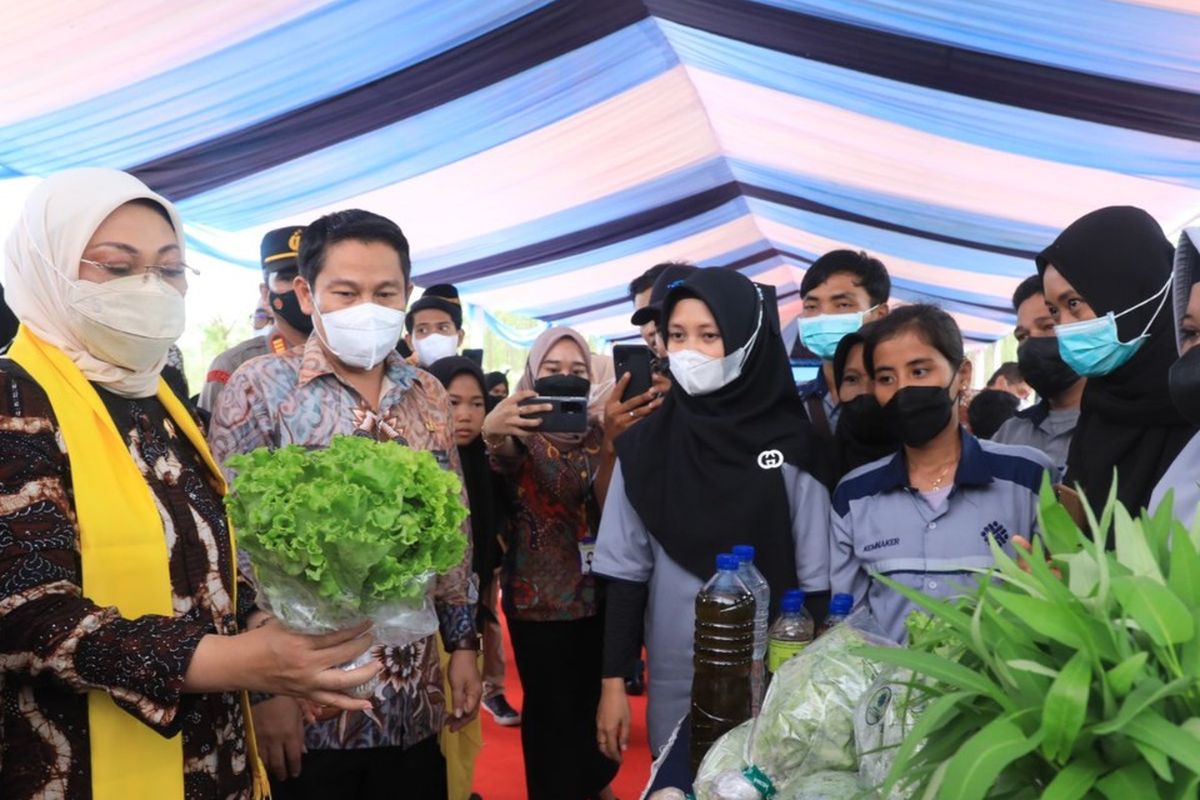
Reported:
(123, 269)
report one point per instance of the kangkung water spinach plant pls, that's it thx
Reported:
(1076, 677)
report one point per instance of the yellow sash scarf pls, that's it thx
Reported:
(125, 564)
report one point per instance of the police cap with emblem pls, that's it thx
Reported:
(441, 296)
(280, 249)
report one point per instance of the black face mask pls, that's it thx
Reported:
(287, 307)
(1043, 368)
(1183, 383)
(919, 413)
(562, 386)
(862, 421)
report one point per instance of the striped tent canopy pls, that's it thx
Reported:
(542, 154)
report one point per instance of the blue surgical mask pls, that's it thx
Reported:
(822, 333)
(1093, 348)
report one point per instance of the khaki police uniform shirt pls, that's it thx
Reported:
(224, 365)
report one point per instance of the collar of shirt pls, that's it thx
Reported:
(972, 467)
(816, 387)
(1037, 413)
(316, 363)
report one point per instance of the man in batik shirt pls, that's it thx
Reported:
(349, 380)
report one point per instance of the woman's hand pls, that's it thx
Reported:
(511, 419)
(612, 719)
(271, 659)
(621, 416)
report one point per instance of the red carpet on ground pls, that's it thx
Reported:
(500, 771)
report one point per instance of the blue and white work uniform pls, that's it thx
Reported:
(1049, 430)
(930, 540)
(626, 550)
(1183, 478)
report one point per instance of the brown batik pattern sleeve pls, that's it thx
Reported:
(48, 629)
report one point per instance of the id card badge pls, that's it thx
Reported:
(587, 552)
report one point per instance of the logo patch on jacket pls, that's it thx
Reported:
(996, 531)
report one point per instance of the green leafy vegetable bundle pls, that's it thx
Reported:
(353, 531)
(1077, 679)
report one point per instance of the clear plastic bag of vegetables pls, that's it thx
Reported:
(720, 776)
(807, 721)
(356, 531)
(883, 720)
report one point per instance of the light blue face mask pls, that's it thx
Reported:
(1093, 347)
(822, 333)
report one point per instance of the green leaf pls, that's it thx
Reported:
(1069, 625)
(974, 769)
(1133, 548)
(1184, 579)
(1065, 708)
(1074, 780)
(1144, 695)
(1122, 677)
(1128, 782)
(1083, 576)
(938, 668)
(1035, 667)
(931, 719)
(1157, 761)
(1061, 533)
(1155, 609)
(1174, 740)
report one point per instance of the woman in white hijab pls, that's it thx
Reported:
(126, 640)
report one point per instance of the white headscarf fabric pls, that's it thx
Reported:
(41, 260)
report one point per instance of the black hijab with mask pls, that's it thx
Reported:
(1115, 258)
(692, 469)
(863, 434)
(483, 489)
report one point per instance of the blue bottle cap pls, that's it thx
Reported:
(727, 562)
(792, 601)
(744, 552)
(842, 603)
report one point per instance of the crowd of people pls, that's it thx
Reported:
(135, 660)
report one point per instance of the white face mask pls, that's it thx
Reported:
(130, 322)
(435, 347)
(362, 335)
(699, 374)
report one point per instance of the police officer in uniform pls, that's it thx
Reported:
(291, 325)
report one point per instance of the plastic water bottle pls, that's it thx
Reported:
(761, 590)
(791, 633)
(724, 648)
(839, 608)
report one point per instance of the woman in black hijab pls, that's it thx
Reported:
(724, 461)
(1107, 281)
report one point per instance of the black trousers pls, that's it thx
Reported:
(559, 665)
(418, 773)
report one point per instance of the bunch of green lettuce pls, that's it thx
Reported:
(357, 525)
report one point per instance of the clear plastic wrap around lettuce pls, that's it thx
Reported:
(355, 531)
(882, 721)
(720, 774)
(807, 720)
(826, 786)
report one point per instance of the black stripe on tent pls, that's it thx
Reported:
(591, 238)
(622, 298)
(804, 204)
(654, 219)
(551, 31)
(999, 79)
